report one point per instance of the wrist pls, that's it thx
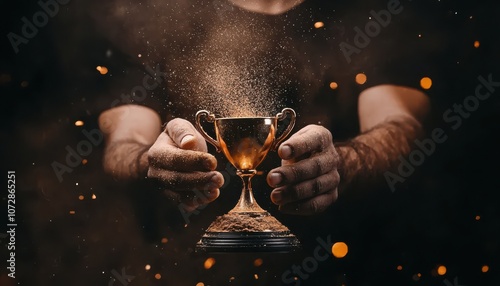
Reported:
(126, 159)
(142, 163)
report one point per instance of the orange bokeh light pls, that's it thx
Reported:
(441, 270)
(209, 263)
(318, 25)
(102, 69)
(339, 249)
(361, 78)
(426, 82)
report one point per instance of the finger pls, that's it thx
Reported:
(163, 154)
(185, 135)
(311, 206)
(310, 139)
(187, 181)
(302, 170)
(305, 190)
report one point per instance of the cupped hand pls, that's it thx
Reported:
(307, 181)
(179, 159)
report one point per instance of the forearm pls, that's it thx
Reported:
(126, 159)
(366, 157)
(130, 131)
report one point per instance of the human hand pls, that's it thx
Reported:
(307, 181)
(179, 159)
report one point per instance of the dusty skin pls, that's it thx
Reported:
(247, 222)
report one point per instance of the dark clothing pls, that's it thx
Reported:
(301, 65)
(296, 61)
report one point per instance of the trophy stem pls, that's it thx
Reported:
(247, 202)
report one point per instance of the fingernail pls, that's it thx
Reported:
(276, 197)
(275, 179)
(186, 139)
(286, 152)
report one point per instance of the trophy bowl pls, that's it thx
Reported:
(245, 142)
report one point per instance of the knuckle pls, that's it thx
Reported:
(296, 192)
(174, 123)
(334, 155)
(314, 206)
(317, 186)
(336, 178)
(153, 152)
(293, 173)
(151, 173)
(335, 195)
(174, 178)
(323, 134)
(318, 165)
(328, 135)
(176, 127)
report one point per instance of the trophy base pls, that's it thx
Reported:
(248, 242)
(247, 232)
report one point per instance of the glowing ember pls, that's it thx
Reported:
(318, 25)
(79, 123)
(485, 268)
(426, 83)
(360, 78)
(81, 197)
(209, 263)
(334, 85)
(339, 249)
(102, 69)
(147, 267)
(441, 270)
(258, 262)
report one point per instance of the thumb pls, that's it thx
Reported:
(185, 136)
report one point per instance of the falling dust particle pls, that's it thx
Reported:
(241, 79)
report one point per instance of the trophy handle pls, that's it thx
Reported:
(281, 116)
(209, 118)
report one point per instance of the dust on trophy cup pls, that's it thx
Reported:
(245, 141)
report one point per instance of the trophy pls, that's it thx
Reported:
(245, 141)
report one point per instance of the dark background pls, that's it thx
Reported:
(447, 213)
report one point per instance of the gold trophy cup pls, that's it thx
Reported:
(245, 141)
